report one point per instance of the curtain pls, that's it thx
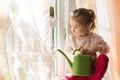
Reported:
(114, 28)
(28, 40)
(103, 29)
(4, 7)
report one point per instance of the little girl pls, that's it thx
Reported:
(82, 23)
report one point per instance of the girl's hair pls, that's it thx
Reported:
(84, 17)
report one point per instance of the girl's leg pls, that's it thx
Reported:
(100, 67)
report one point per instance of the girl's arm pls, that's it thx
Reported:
(97, 45)
(103, 47)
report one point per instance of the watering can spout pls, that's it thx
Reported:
(81, 65)
(68, 60)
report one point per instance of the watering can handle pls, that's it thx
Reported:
(75, 51)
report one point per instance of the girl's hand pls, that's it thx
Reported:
(90, 50)
(83, 50)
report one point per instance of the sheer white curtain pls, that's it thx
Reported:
(103, 28)
(29, 40)
(4, 7)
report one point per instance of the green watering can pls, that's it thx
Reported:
(81, 65)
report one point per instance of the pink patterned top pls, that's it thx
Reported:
(88, 41)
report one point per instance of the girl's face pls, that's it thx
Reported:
(78, 29)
